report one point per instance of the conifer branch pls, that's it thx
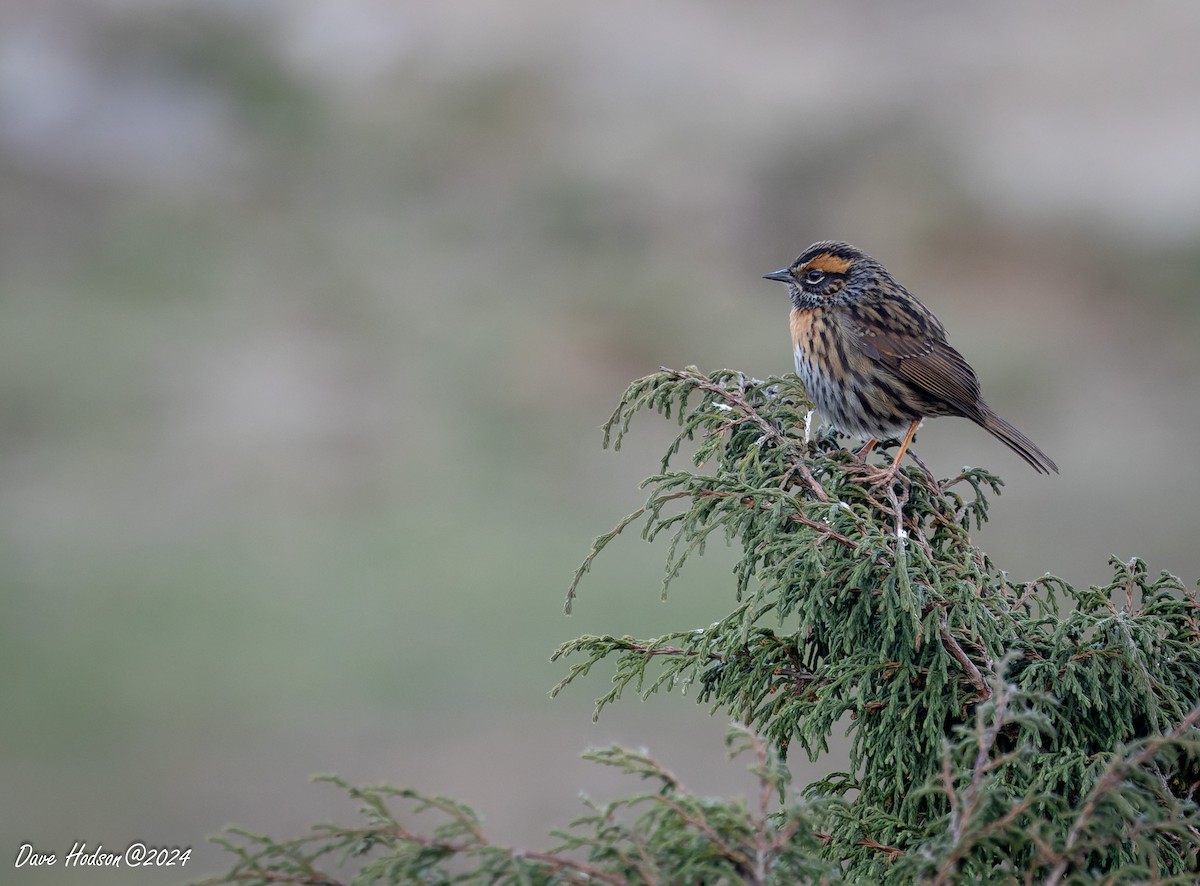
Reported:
(999, 731)
(750, 502)
(1117, 770)
(952, 645)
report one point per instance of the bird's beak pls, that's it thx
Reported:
(783, 275)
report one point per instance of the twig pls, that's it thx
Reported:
(953, 647)
(799, 466)
(750, 502)
(933, 485)
(670, 650)
(704, 384)
(769, 430)
(892, 851)
(1026, 594)
(963, 809)
(586, 872)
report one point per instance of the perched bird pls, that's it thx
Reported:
(874, 360)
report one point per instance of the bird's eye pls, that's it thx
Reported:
(813, 278)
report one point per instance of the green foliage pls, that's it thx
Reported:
(665, 835)
(993, 738)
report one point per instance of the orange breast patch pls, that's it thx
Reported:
(802, 321)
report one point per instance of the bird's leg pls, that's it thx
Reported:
(862, 454)
(886, 475)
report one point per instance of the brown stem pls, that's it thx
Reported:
(953, 647)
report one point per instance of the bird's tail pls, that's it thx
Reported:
(1017, 442)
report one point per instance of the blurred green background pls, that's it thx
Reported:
(312, 311)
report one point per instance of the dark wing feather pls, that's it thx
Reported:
(902, 337)
(912, 345)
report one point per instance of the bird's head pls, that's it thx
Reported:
(823, 270)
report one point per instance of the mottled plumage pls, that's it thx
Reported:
(874, 360)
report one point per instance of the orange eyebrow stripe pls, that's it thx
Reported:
(827, 262)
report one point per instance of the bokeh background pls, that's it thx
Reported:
(312, 312)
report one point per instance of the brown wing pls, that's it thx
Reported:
(905, 338)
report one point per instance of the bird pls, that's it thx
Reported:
(875, 361)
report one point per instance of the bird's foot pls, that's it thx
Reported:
(873, 476)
